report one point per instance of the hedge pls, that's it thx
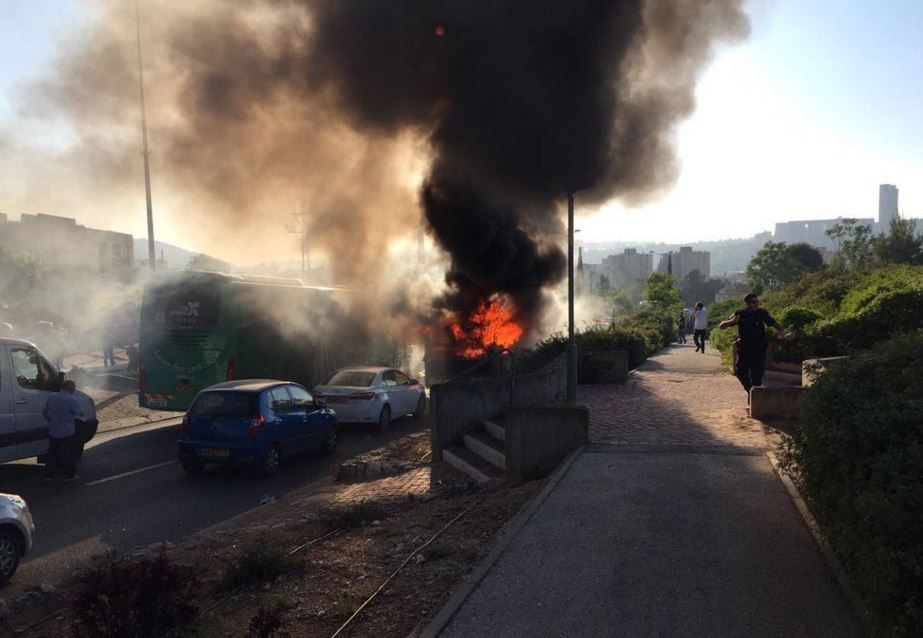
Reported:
(641, 334)
(858, 459)
(840, 314)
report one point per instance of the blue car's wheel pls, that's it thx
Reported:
(330, 441)
(269, 465)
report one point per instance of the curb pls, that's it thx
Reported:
(507, 534)
(823, 545)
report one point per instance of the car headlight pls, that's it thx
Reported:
(19, 502)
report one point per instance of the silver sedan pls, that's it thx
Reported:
(368, 394)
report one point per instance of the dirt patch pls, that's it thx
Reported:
(400, 455)
(340, 546)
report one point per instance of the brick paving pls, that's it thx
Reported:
(678, 397)
(417, 483)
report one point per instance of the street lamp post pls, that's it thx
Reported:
(571, 339)
(151, 254)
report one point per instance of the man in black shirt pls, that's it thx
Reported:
(751, 325)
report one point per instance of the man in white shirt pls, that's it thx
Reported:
(61, 409)
(699, 326)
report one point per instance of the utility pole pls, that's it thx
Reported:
(300, 228)
(145, 152)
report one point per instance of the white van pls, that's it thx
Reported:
(26, 380)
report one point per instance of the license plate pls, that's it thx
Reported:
(336, 399)
(215, 452)
(186, 389)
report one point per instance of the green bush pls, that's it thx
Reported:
(858, 458)
(723, 341)
(721, 310)
(139, 597)
(641, 334)
(797, 318)
(835, 313)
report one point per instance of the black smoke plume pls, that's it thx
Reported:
(522, 101)
(258, 103)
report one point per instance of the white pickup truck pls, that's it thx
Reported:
(26, 380)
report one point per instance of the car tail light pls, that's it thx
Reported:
(184, 426)
(142, 377)
(257, 423)
(232, 368)
(363, 396)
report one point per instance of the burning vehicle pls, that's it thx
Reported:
(198, 329)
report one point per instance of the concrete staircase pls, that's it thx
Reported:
(482, 452)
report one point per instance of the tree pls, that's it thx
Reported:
(901, 245)
(617, 302)
(660, 292)
(696, 288)
(810, 259)
(773, 266)
(208, 263)
(853, 243)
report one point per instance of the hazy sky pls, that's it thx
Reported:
(802, 121)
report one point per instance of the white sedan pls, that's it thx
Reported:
(366, 394)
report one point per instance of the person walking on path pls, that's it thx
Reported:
(751, 324)
(61, 408)
(682, 328)
(699, 320)
(109, 354)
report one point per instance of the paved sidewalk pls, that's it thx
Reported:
(672, 523)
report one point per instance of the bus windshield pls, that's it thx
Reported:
(187, 306)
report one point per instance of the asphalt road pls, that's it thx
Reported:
(132, 492)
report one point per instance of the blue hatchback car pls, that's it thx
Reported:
(255, 421)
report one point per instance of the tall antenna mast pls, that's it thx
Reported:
(301, 226)
(151, 255)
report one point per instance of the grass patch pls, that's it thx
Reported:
(357, 515)
(344, 606)
(258, 565)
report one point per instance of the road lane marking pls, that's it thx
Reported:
(124, 474)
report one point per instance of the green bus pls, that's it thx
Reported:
(202, 328)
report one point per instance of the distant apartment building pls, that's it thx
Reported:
(684, 262)
(625, 270)
(812, 231)
(887, 206)
(629, 267)
(62, 244)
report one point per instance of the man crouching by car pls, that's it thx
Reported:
(61, 409)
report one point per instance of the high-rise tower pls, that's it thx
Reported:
(887, 206)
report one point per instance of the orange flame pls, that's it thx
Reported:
(490, 325)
